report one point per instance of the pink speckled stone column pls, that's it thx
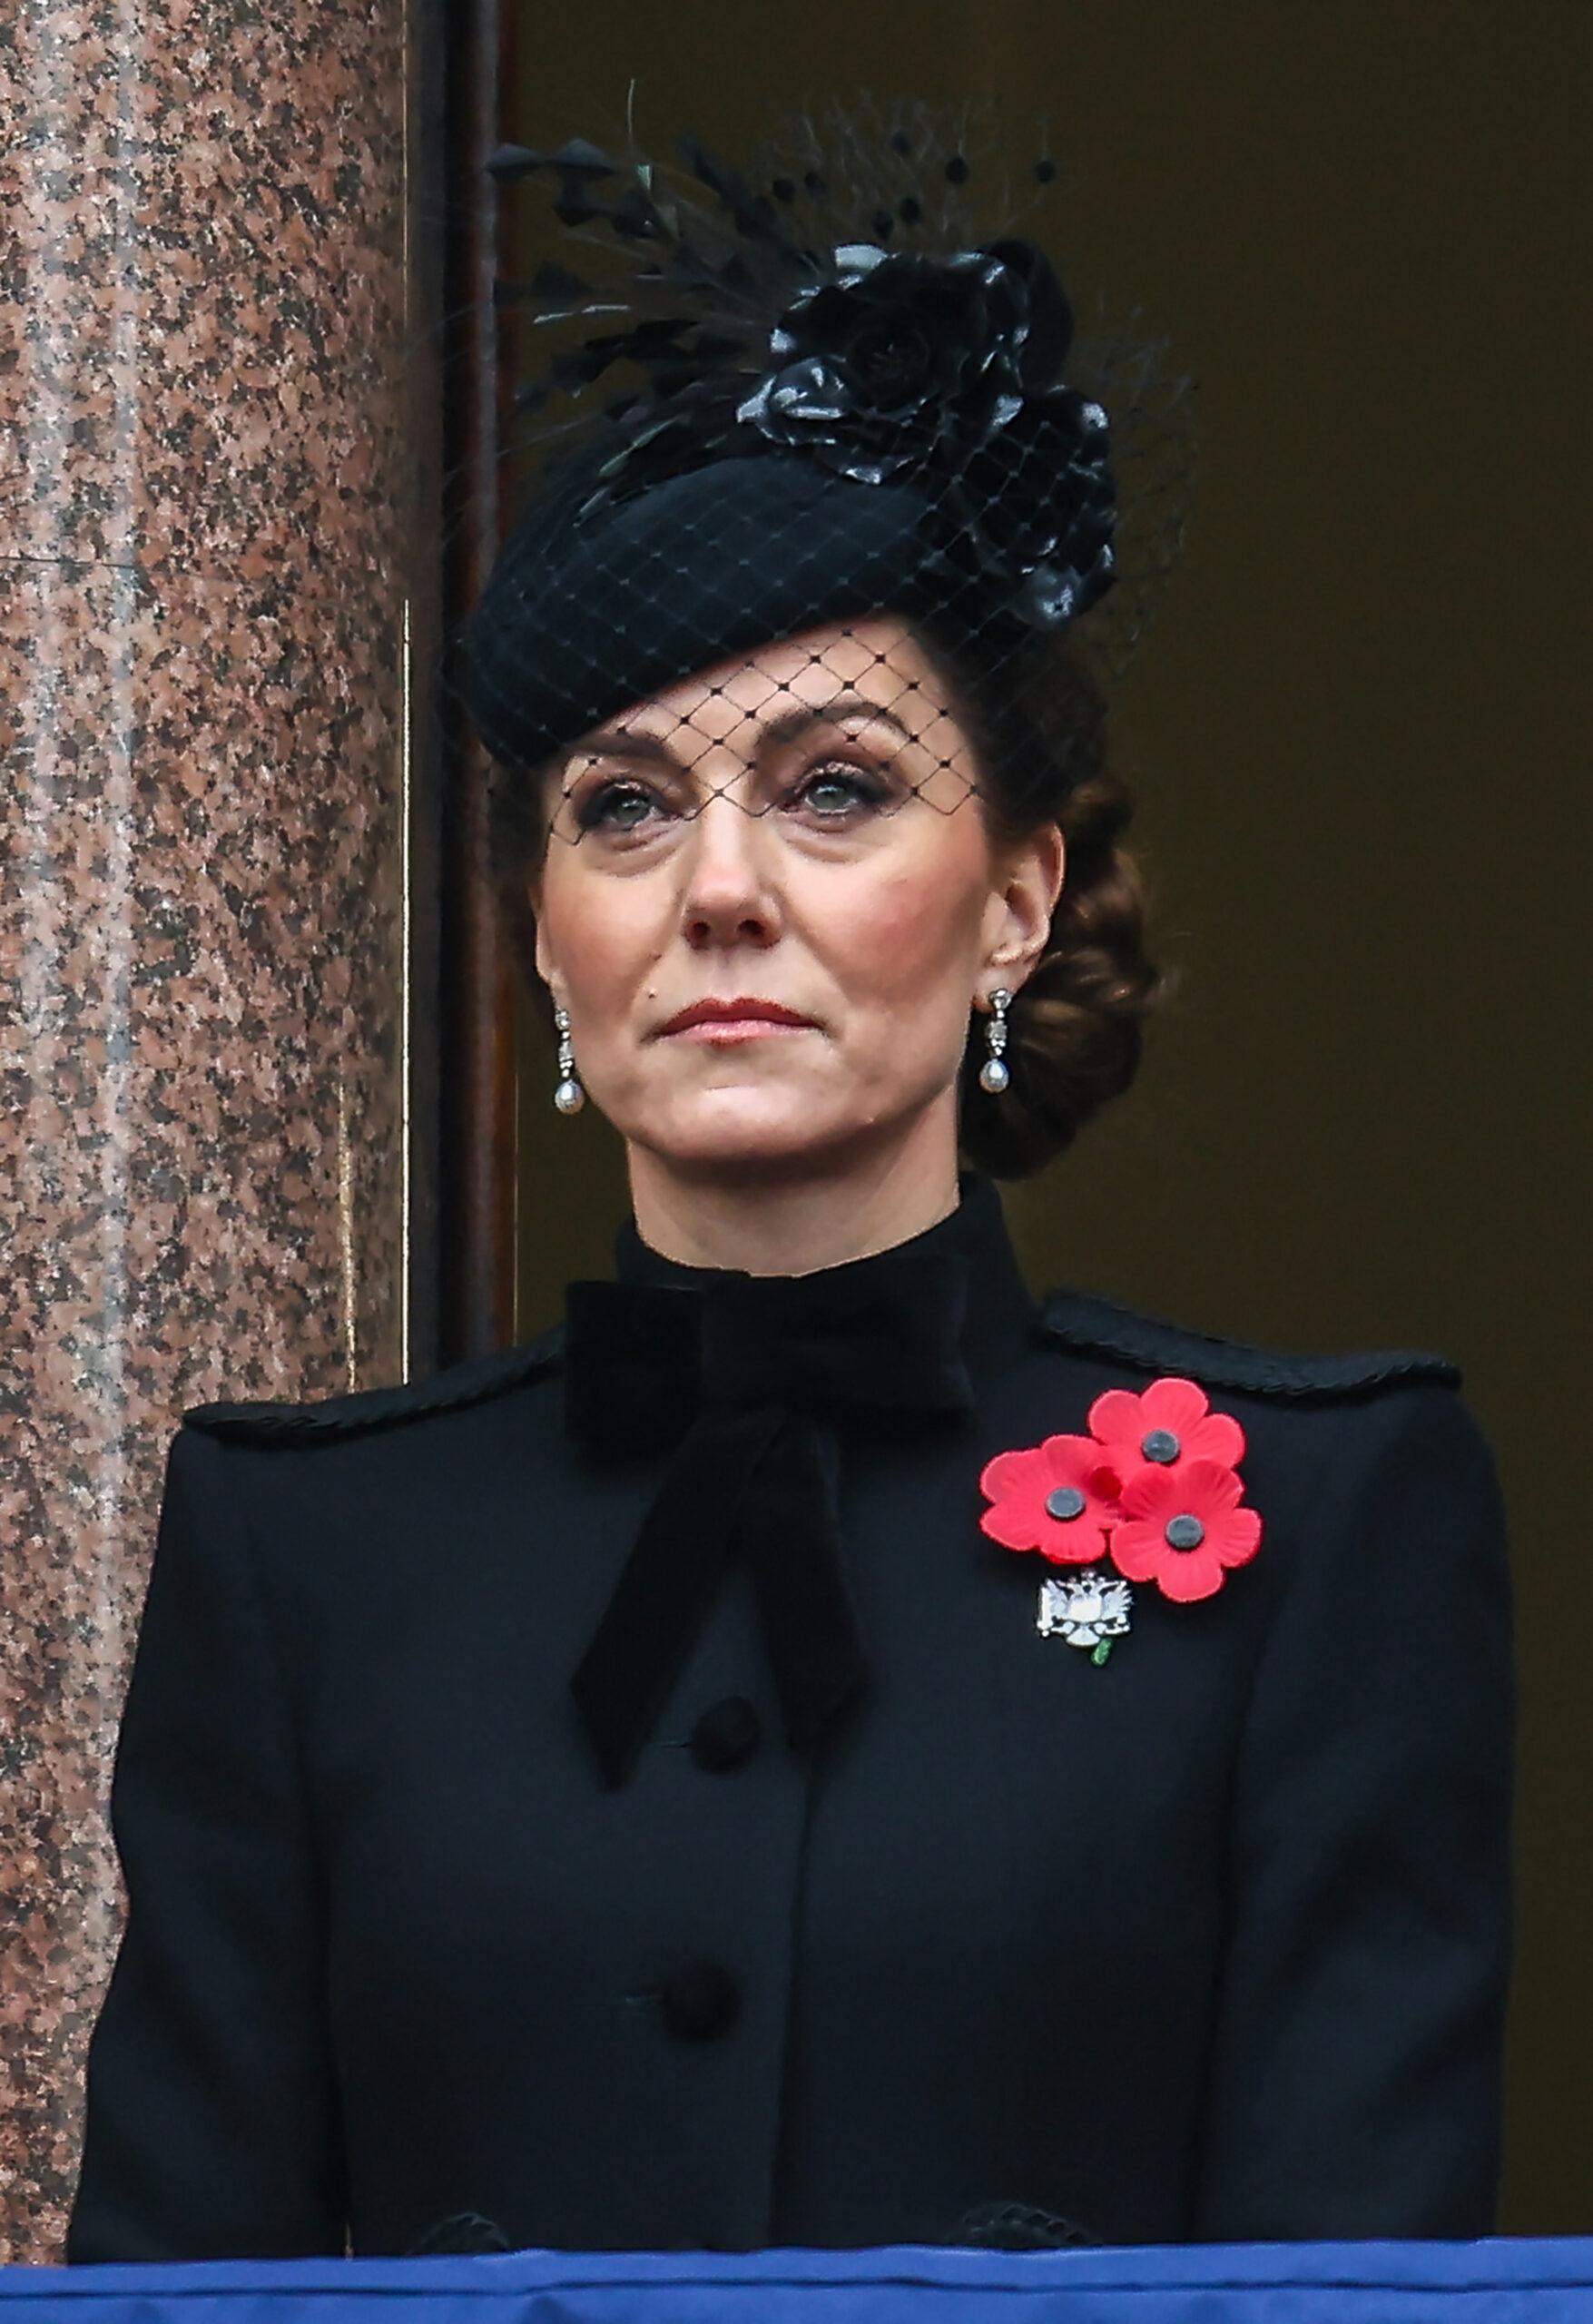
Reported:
(203, 481)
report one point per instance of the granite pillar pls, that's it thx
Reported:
(206, 521)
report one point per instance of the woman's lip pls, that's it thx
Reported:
(736, 1028)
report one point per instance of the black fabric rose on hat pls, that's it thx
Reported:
(900, 358)
(948, 372)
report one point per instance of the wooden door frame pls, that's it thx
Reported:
(463, 1025)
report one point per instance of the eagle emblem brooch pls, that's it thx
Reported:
(1151, 1495)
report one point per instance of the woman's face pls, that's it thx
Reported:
(795, 831)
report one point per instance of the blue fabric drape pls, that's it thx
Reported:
(1529, 2280)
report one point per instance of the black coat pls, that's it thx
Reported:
(1207, 1942)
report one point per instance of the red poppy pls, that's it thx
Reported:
(1167, 1426)
(1182, 1526)
(1059, 1497)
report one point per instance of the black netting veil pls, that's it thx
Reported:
(809, 403)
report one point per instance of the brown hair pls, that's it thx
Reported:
(1076, 1026)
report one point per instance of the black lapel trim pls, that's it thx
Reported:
(1101, 1326)
(333, 1419)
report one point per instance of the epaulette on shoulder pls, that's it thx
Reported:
(333, 1419)
(1083, 1319)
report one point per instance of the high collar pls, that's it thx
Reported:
(1001, 1315)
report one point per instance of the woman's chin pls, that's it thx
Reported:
(744, 1131)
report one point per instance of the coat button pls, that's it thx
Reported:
(700, 2002)
(727, 1735)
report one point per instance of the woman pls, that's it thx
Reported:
(822, 1747)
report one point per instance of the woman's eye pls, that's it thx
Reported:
(836, 790)
(833, 793)
(615, 807)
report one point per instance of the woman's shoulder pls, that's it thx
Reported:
(1373, 1456)
(1088, 1324)
(331, 1419)
(1385, 1416)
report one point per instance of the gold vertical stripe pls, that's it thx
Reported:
(347, 1269)
(406, 716)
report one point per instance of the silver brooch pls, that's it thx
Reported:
(1087, 1610)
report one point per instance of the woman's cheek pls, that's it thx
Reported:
(607, 957)
(906, 942)
(891, 926)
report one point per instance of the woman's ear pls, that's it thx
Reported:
(1018, 921)
(545, 968)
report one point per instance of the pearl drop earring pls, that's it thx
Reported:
(993, 1074)
(569, 1097)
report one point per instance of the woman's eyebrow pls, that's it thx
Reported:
(621, 741)
(839, 707)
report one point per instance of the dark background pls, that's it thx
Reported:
(1357, 734)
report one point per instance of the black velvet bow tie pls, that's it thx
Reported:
(737, 1381)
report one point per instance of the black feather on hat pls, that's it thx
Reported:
(823, 397)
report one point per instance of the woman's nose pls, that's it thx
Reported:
(730, 891)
